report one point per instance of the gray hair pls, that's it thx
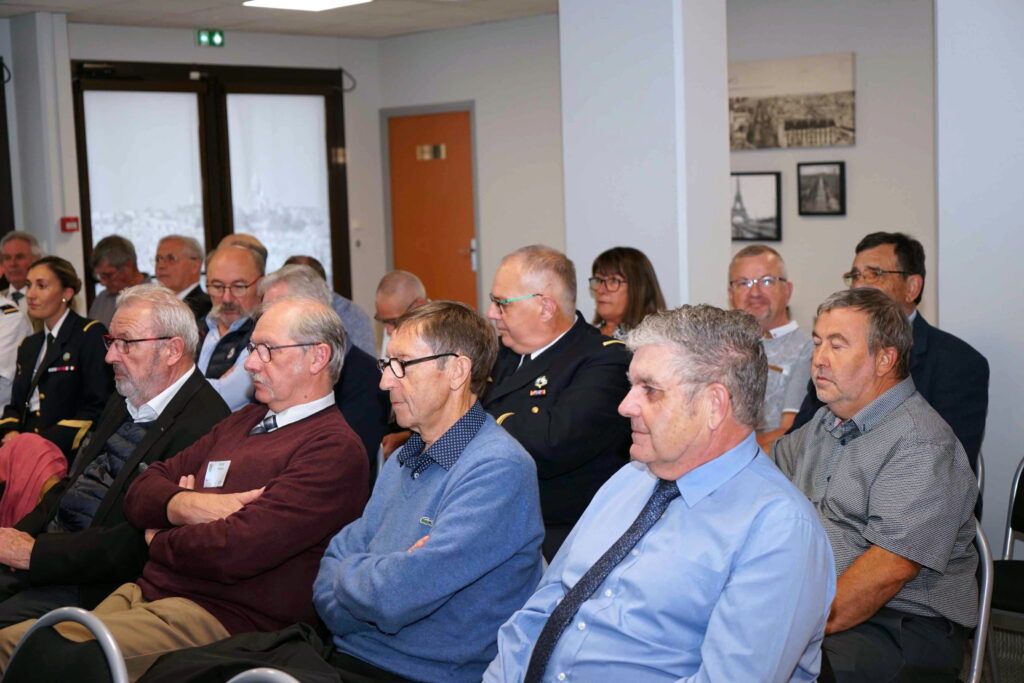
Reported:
(317, 324)
(191, 245)
(889, 326)
(302, 282)
(540, 261)
(401, 282)
(33, 243)
(170, 316)
(114, 250)
(711, 345)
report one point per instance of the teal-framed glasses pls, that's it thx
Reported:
(502, 303)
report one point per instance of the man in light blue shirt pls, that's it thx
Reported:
(731, 579)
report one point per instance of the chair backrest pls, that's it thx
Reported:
(263, 674)
(986, 569)
(980, 473)
(118, 672)
(1015, 515)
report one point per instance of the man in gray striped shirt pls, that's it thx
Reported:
(895, 494)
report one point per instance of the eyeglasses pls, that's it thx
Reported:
(392, 321)
(172, 258)
(123, 345)
(869, 275)
(237, 288)
(768, 281)
(262, 350)
(398, 366)
(611, 284)
(502, 303)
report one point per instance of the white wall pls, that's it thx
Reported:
(509, 70)
(359, 57)
(890, 178)
(981, 232)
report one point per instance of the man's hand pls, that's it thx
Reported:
(15, 548)
(418, 544)
(872, 580)
(392, 442)
(8, 436)
(190, 507)
(150, 533)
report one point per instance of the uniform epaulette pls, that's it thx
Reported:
(9, 309)
(609, 342)
(89, 324)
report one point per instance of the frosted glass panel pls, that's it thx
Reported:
(144, 175)
(279, 174)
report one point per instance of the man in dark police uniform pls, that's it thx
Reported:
(556, 385)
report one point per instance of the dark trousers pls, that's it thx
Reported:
(554, 537)
(895, 646)
(296, 650)
(20, 601)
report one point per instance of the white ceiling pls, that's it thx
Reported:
(378, 19)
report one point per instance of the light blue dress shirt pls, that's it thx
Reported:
(734, 583)
(235, 388)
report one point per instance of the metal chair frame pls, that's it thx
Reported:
(978, 648)
(118, 672)
(263, 674)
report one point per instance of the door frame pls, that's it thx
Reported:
(388, 113)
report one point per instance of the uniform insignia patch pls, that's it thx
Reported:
(66, 356)
(538, 392)
(540, 382)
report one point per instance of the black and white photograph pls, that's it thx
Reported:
(799, 102)
(821, 188)
(757, 206)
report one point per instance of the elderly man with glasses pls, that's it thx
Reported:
(556, 385)
(948, 372)
(237, 523)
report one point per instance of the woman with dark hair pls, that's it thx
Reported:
(625, 290)
(62, 382)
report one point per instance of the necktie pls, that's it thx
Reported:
(267, 424)
(560, 617)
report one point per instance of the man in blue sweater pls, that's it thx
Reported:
(447, 548)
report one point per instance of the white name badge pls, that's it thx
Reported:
(216, 473)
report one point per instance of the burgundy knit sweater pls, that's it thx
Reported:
(254, 570)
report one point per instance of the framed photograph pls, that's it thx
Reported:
(757, 206)
(821, 188)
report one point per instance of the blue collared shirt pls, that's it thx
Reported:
(235, 387)
(445, 451)
(734, 583)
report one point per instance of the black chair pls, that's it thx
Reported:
(980, 638)
(115, 662)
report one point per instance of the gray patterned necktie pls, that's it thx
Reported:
(267, 424)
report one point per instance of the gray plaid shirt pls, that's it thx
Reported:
(895, 476)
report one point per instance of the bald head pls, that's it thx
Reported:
(397, 293)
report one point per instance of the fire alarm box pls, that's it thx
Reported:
(69, 224)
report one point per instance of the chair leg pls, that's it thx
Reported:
(990, 671)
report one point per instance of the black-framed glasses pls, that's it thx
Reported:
(124, 345)
(398, 366)
(392, 321)
(870, 275)
(237, 288)
(502, 303)
(610, 284)
(264, 351)
(767, 282)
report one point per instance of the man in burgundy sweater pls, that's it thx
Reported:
(236, 523)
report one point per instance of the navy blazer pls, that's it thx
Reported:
(362, 403)
(950, 374)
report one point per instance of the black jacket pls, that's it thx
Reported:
(562, 407)
(74, 383)
(359, 398)
(200, 303)
(111, 551)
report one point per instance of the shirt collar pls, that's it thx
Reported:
(151, 409)
(912, 316)
(783, 330)
(56, 328)
(868, 417)
(446, 450)
(211, 324)
(698, 483)
(188, 290)
(553, 342)
(302, 411)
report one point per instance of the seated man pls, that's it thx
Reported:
(731, 582)
(357, 394)
(895, 493)
(449, 545)
(179, 262)
(556, 384)
(759, 286)
(398, 292)
(75, 547)
(272, 483)
(116, 267)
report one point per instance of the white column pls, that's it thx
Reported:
(980, 161)
(46, 131)
(645, 139)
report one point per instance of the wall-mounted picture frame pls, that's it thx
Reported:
(757, 206)
(821, 188)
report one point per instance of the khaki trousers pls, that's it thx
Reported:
(143, 630)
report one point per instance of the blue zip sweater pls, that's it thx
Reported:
(433, 614)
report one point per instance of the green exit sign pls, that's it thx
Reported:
(210, 37)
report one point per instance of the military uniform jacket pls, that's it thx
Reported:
(111, 552)
(562, 407)
(74, 383)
